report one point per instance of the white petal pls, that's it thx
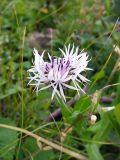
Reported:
(79, 81)
(89, 69)
(37, 59)
(79, 87)
(62, 92)
(72, 50)
(76, 87)
(67, 79)
(35, 51)
(46, 87)
(76, 51)
(62, 51)
(42, 54)
(67, 50)
(83, 78)
(58, 93)
(49, 57)
(68, 86)
(54, 90)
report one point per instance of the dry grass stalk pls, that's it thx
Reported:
(47, 142)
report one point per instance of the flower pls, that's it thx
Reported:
(59, 71)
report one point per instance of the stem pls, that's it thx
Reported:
(47, 142)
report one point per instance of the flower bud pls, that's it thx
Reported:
(93, 119)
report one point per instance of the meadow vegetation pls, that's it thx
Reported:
(32, 127)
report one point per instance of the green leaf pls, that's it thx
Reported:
(20, 7)
(43, 155)
(117, 112)
(8, 140)
(115, 124)
(12, 90)
(115, 7)
(43, 100)
(31, 146)
(94, 152)
(108, 6)
(66, 112)
(103, 129)
(118, 93)
(99, 75)
(96, 127)
(26, 64)
(82, 105)
(2, 81)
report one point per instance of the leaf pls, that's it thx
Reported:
(2, 81)
(43, 155)
(115, 124)
(20, 7)
(94, 152)
(26, 64)
(99, 75)
(12, 90)
(103, 129)
(96, 127)
(8, 140)
(118, 92)
(66, 112)
(43, 101)
(31, 146)
(82, 104)
(108, 6)
(117, 112)
(115, 7)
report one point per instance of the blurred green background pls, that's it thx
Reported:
(49, 25)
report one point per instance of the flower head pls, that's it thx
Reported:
(57, 73)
